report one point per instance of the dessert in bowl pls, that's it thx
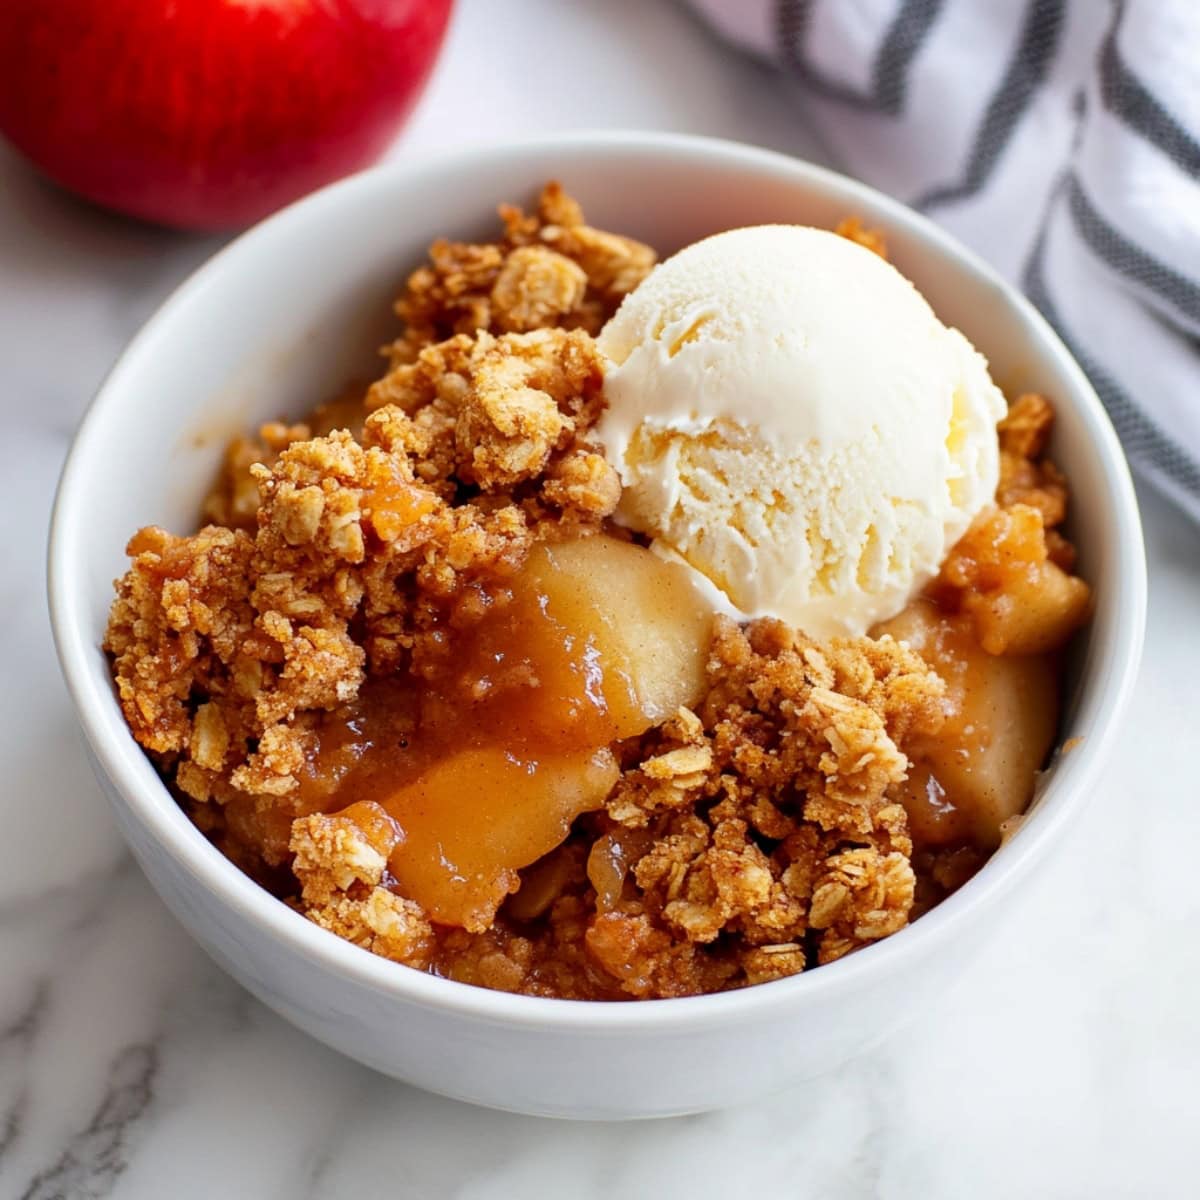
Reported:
(466, 675)
(642, 631)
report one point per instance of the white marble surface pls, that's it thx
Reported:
(1064, 1065)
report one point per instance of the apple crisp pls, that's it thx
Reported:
(413, 679)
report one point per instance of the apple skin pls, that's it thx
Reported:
(209, 114)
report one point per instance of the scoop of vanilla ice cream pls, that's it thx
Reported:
(789, 417)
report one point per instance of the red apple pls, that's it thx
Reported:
(208, 114)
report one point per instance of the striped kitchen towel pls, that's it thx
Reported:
(1060, 139)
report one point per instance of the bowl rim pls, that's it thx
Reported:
(149, 803)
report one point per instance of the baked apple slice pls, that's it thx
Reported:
(981, 767)
(485, 769)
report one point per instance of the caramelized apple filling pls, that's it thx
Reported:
(979, 768)
(415, 681)
(483, 764)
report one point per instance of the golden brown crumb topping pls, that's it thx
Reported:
(1011, 572)
(359, 559)
(372, 533)
(769, 807)
(550, 268)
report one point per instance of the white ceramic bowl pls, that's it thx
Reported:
(280, 319)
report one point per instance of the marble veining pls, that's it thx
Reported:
(95, 1156)
(1063, 1065)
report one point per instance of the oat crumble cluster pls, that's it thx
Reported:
(754, 833)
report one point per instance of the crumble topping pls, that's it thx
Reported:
(549, 268)
(796, 745)
(369, 532)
